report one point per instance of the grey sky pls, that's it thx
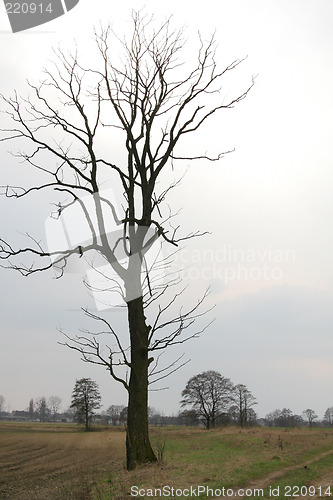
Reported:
(268, 206)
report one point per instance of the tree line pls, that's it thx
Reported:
(208, 399)
(286, 418)
(42, 409)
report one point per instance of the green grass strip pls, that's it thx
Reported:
(290, 485)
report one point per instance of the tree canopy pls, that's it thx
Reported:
(85, 400)
(209, 394)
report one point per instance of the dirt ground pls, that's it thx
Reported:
(324, 482)
(52, 466)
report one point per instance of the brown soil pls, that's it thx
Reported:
(52, 466)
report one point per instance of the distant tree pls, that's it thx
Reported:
(328, 417)
(114, 412)
(190, 417)
(209, 394)
(151, 411)
(123, 415)
(244, 400)
(68, 414)
(155, 417)
(297, 421)
(31, 409)
(283, 418)
(54, 405)
(310, 416)
(233, 414)
(85, 400)
(252, 417)
(271, 417)
(2, 403)
(42, 409)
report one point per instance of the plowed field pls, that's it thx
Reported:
(40, 462)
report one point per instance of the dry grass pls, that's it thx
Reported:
(52, 461)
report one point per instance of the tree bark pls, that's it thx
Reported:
(138, 447)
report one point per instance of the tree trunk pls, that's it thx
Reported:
(86, 415)
(138, 446)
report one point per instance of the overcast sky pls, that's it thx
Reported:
(268, 207)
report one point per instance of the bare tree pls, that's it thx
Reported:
(252, 417)
(148, 102)
(85, 400)
(244, 400)
(209, 394)
(328, 417)
(272, 417)
(123, 417)
(310, 415)
(31, 409)
(42, 410)
(114, 412)
(54, 404)
(283, 418)
(190, 417)
(2, 403)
